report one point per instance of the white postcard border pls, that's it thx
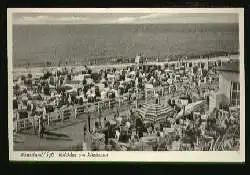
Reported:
(145, 156)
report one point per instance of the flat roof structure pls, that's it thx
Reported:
(230, 67)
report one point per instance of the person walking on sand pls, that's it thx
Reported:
(117, 135)
(106, 132)
(75, 111)
(84, 132)
(41, 126)
(157, 99)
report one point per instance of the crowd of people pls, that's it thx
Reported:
(194, 131)
(37, 97)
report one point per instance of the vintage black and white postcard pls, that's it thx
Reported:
(147, 85)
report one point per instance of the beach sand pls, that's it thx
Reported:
(39, 70)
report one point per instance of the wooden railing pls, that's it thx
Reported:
(106, 104)
(22, 124)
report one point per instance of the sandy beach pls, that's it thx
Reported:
(39, 70)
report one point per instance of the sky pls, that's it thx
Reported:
(122, 18)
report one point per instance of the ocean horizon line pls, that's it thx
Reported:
(215, 23)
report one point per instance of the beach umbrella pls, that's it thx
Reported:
(189, 108)
(155, 112)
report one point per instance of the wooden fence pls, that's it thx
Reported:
(107, 104)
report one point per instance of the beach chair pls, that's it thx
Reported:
(80, 110)
(185, 146)
(54, 116)
(227, 145)
(16, 138)
(162, 147)
(66, 114)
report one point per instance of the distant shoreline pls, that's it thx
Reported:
(100, 61)
(22, 70)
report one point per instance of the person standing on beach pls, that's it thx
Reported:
(35, 123)
(157, 99)
(75, 110)
(69, 100)
(140, 132)
(106, 131)
(41, 126)
(84, 132)
(89, 123)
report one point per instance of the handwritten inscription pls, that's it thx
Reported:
(49, 155)
(38, 155)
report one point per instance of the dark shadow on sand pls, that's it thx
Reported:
(53, 138)
(49, 133)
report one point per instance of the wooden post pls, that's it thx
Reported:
(89, 125)
(62, 115)
(48, 119)
(211, 146)
(16, 126)
(24, 123)
(136, 102)
(109, 104)
(215, 144)
(119, 100)
(17, 121)
(75, 111)
(222, 114)
(184, 110)
(39, 124)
